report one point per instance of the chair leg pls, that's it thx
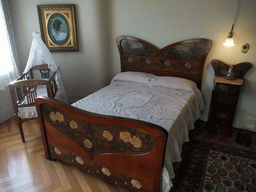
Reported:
(20, 128)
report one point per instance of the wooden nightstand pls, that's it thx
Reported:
(225, 97)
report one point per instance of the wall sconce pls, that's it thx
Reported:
(229, 41)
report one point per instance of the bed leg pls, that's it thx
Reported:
(46, 149)
(49, 158)
(47, 153)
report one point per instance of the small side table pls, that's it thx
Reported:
(225, 96)
(223, 104)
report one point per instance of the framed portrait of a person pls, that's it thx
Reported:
(58, 27)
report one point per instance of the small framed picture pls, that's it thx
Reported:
(58, 27)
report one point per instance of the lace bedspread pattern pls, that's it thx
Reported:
(175, 110)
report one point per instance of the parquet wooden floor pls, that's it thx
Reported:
(222, 139)
(23, 166)
(201, 133)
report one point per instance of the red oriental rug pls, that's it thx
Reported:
(210, 167)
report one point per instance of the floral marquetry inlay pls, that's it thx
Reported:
(56, 116)
(107, 135)
(57, 151)
(105, 171)
(80, 160)
(98, 139)
(136, 142)
(136, 184)
(125, 136)
(88, 143)
(73, 124)
(172, 57)
(110, 174)
(162, 63)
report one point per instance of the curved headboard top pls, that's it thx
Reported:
(181, 59)
(221, 68)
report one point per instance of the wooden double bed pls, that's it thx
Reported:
(130, 132)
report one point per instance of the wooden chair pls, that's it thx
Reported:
(38, 81)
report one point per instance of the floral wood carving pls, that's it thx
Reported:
(98, 139)
(181, 58)
(95, 168)
(157, 63)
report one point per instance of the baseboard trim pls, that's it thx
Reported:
(6, 114)
(75, 97)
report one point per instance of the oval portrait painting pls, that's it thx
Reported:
(58, 29)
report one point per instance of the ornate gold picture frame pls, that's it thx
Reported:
(58, 27)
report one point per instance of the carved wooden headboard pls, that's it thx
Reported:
(182, 59)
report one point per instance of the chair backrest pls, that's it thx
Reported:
(38, 81)
(43, 69)
(29, 94)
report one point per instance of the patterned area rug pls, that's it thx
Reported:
(210, 167)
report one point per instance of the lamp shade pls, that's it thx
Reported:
(229, 42)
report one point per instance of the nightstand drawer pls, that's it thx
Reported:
(226, 98)
(232, 89)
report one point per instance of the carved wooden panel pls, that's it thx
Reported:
(127, 152)
(183, 59)
(221, 68)
(98, 139)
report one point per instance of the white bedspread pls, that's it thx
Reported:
(175, 110)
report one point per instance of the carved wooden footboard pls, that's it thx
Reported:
(126, 152)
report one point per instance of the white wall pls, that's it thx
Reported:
(6, 109)
(160, 22)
